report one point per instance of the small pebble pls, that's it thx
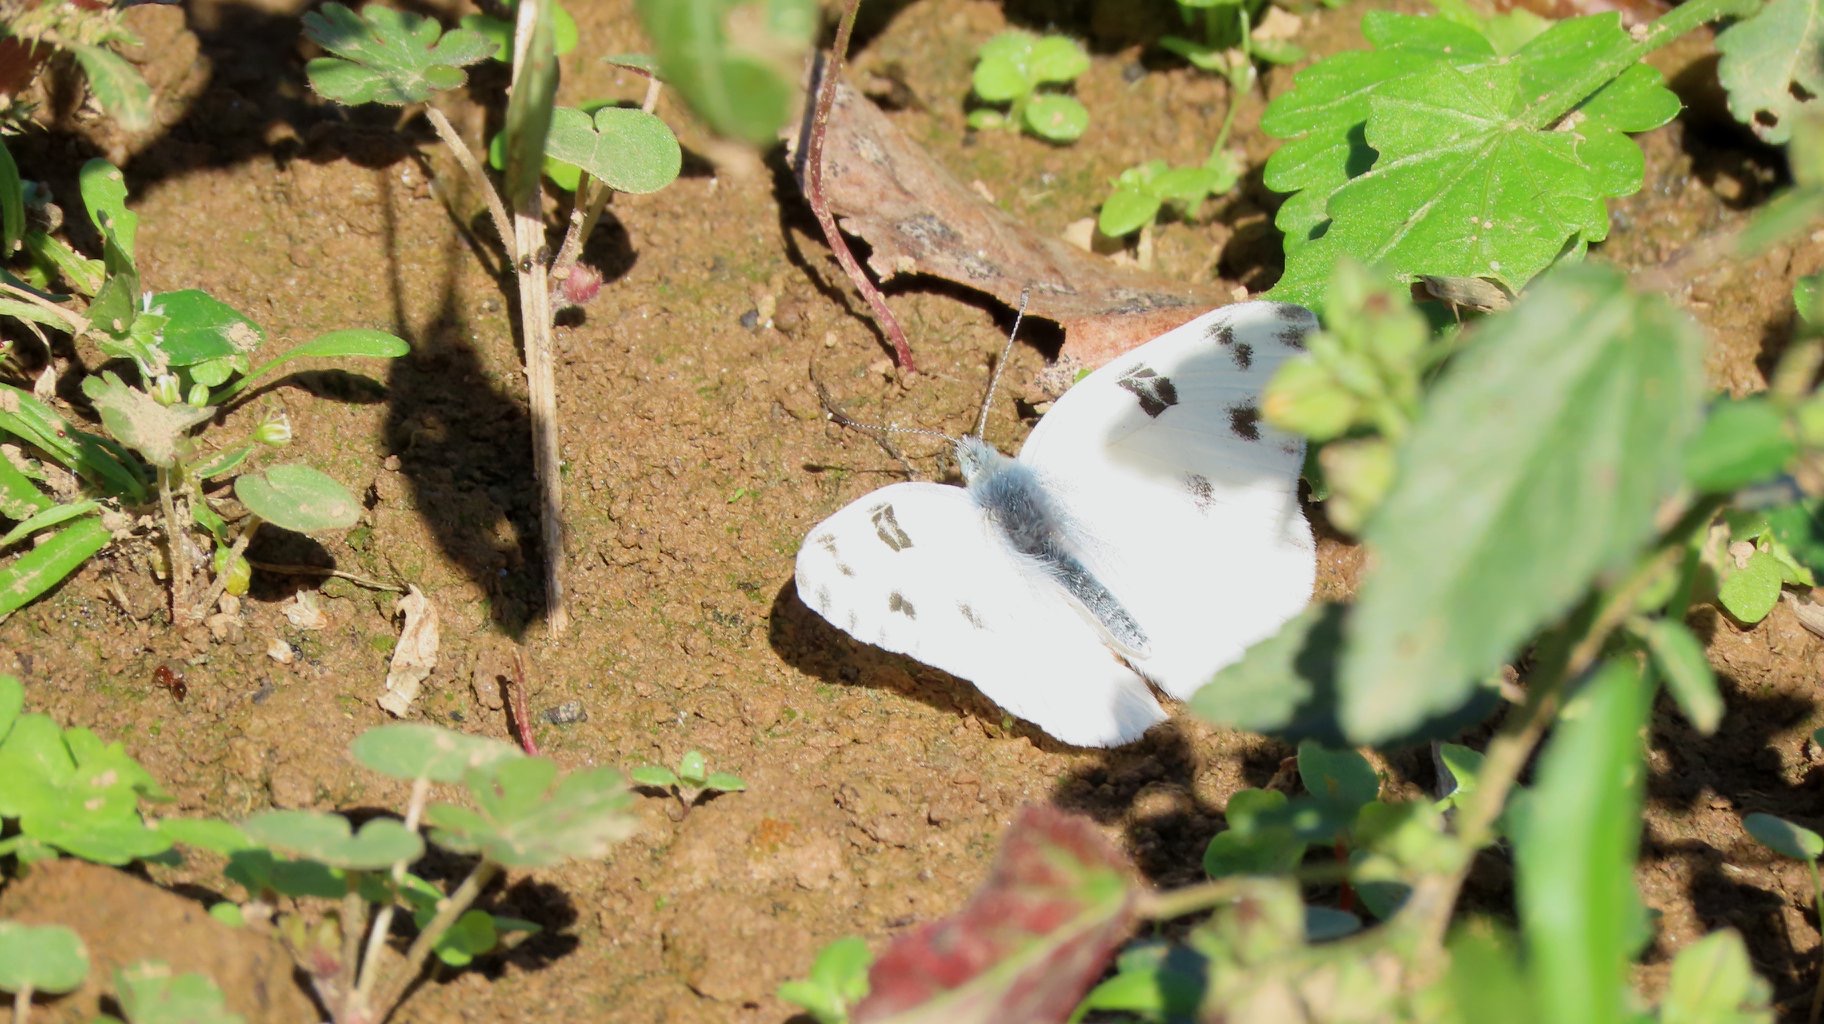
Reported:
(1133, 72)
(751, 320)
(568, 712)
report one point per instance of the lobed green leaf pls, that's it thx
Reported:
(414, 750)
(330, 840)
(1772, 66)
(626, 149)
(387, 56)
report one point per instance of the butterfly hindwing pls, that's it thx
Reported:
(916, 569)
(1185, 502)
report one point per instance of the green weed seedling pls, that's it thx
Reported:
(838, 980)
(89, 33)
(33, 959)
(1014, 68)
(524, 815)
(691, 783)
(187, 358)
(64, 791)
(399, 59)
(1229, 42)
(1142, 192)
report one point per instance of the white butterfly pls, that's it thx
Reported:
(1149, 530)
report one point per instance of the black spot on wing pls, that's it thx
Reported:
(1222, 333)
(1203, 494)
(823, 601)
(1244, 422)
(886, 527)
(845, 568)
(827, 541)
(1156, 392)
(1294, 314)
(896, 602)
(1292, 337)
(1243, 354)
(969, 615)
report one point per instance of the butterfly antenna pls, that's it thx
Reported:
(994, 379)
(878, 432)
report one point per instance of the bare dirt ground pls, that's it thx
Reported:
(696, 459)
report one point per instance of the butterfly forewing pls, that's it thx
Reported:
(1184, 502)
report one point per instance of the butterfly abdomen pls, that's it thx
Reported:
(1014, 502)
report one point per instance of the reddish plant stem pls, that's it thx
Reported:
(518, 716)
(820, 204)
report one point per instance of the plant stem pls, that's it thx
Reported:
(22, 1003)
(221, 581)
(517, 711)
(383, 921)
(820, 203)
(175, 553)
(447, 913)
(77, 323)
(354, 923)
(1167, 904)
(1817, 902)
(460, 150)
(1435, 896)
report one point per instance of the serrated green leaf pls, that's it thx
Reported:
(523, 820)
(298, 498)
(1679, 656)
(1320, 119)
(117, 85)
(387, 56)
(329, 839)
(1742, 441)
(1477, 171)
(1713, 982)
(414, 750)
(1783, 837)
(1538, 463)
(626, 149)
(47, 958)
(150, 993)
(1772, 66)
(1749, 593)
(24, 579)
(1575, 849)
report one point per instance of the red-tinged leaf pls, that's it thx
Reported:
(1028, 945)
